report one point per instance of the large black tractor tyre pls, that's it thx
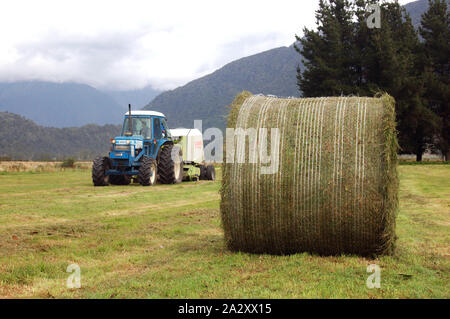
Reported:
(170, 165)
(99, 168)
(147, 171)
(119, 180)
(210, 173)
(126, 180)
(203, 173)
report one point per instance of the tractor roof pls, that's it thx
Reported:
(185, 132)
(147, 113)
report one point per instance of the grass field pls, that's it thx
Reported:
(166, 242)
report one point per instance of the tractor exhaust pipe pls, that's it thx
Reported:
(130, 120)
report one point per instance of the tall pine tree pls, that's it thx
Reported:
(326, 51)
(417, 124)
(345, 56)
(435, 32)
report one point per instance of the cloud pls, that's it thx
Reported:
(132, 44)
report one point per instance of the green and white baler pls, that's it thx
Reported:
(191, 143)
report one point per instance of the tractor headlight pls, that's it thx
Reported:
(128, 141)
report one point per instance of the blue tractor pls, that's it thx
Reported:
(145, 151)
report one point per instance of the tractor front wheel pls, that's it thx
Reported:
(99, 168)
(147, 172)
(170, 166)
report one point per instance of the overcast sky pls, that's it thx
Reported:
(131, 44)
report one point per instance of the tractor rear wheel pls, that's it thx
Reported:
(170, 166)
(99, 168)
(210, 173)
(147, 172)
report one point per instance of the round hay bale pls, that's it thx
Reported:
(333, 186)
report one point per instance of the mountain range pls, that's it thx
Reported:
(59, 104)
(69, 104)
(270, 72)
(73, 104)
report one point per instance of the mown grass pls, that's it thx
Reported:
(166, 242)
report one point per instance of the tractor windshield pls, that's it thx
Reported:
(141, 126)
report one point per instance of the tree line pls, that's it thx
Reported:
(349, 54)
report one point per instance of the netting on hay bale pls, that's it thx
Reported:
(335, 188)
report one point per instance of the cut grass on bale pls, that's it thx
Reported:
(334, 188)
(167, 242)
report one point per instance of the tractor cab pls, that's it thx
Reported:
(143, 133)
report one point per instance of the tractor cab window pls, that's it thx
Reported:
(157, 131)
(166, 130)
(141, 126)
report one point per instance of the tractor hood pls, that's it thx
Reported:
(137, 141)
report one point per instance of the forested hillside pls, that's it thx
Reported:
(23, 139)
